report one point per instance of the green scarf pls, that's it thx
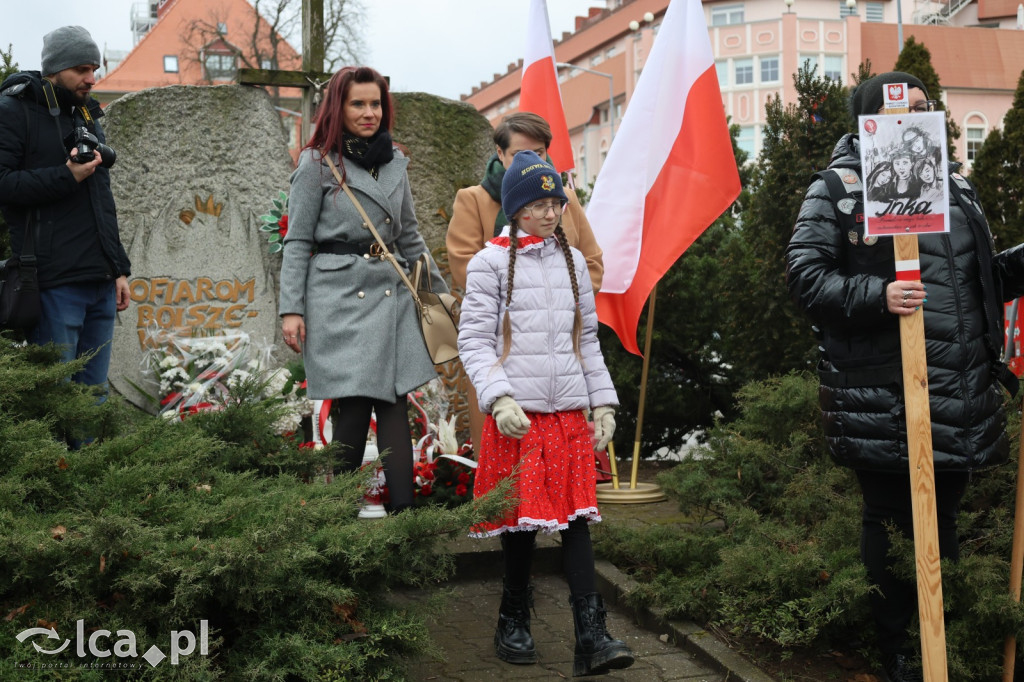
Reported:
(492, 183)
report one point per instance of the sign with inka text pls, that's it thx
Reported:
(904, 165)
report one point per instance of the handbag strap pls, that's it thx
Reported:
(369, 225)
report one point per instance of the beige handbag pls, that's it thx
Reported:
(437, 313)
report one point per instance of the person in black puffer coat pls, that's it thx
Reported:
(846, 284)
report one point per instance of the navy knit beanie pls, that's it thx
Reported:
(868, 97)
(66, 47)
(528, 179)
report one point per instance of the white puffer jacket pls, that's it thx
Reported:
(542, 373)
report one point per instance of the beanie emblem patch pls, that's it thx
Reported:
(547, 183)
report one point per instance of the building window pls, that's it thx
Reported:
(596, 59)
(722, 67)
(809, 62)
(744, 69)
(727, 15)
(769, 69)
(170, 63)
(222, 28)
(745, 141)
(267, 63)
(220, 66)
(875, 12)
(975, 138)
(611, 52)
(834, 68)
(845, 11)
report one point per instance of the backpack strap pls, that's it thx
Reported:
(846, 191)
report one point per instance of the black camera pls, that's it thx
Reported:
(87, 146)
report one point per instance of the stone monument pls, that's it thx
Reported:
(196, 167)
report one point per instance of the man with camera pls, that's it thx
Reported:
(55, 193)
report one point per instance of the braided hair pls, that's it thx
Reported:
(577, 319)
(506, 323)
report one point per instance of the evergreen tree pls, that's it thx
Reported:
(998, 173)
(763, 333)
(916, 59)
(863, 73)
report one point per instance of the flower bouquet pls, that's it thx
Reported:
(199, 373)
(443, 475)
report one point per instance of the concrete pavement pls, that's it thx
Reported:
(665, 649)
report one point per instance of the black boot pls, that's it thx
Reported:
(896, 668)
(596, 651)
(512, 640)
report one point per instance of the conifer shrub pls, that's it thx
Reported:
(771, 553)
(157, 526)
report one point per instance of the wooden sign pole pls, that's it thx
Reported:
(922, 470)
(1016, 558)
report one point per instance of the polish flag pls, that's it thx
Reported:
(539, 92)
(669, 173)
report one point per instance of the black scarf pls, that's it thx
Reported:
(369, 153)
(492, 184)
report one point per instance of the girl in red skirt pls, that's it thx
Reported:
(528, 341)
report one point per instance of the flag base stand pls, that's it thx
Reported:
(642, 493)
(634, 493)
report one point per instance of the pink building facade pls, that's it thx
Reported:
(977, 50)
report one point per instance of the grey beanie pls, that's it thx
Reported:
(867, 98)
(66, 47)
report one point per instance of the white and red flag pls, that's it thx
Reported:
(669, 174)
(539, 92)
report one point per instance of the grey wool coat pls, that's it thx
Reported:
(362, 334)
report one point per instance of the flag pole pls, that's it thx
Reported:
(637, 493)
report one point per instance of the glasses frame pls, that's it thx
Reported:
(558, 207)
(930, 105)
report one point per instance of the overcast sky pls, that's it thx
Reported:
(444, 47)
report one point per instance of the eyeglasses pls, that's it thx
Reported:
(540, 209)
(925, 105)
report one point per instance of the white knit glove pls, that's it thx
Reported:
(510, 418)
(604, 426)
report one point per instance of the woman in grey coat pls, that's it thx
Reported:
(343, 305)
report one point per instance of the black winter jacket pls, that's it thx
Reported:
(76, 238)
(840, 282)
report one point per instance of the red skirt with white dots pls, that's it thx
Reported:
(556, 479)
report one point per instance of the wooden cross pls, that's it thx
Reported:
(311, 78)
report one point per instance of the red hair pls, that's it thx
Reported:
(330, 118)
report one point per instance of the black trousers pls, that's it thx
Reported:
(351, 421)
(577, 557)
(887, 502)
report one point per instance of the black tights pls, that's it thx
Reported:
(351, 421)
(577, 558)
(887, 501)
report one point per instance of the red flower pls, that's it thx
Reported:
(463, 477)
(461, 490)
(425, 490)
(308, 445)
